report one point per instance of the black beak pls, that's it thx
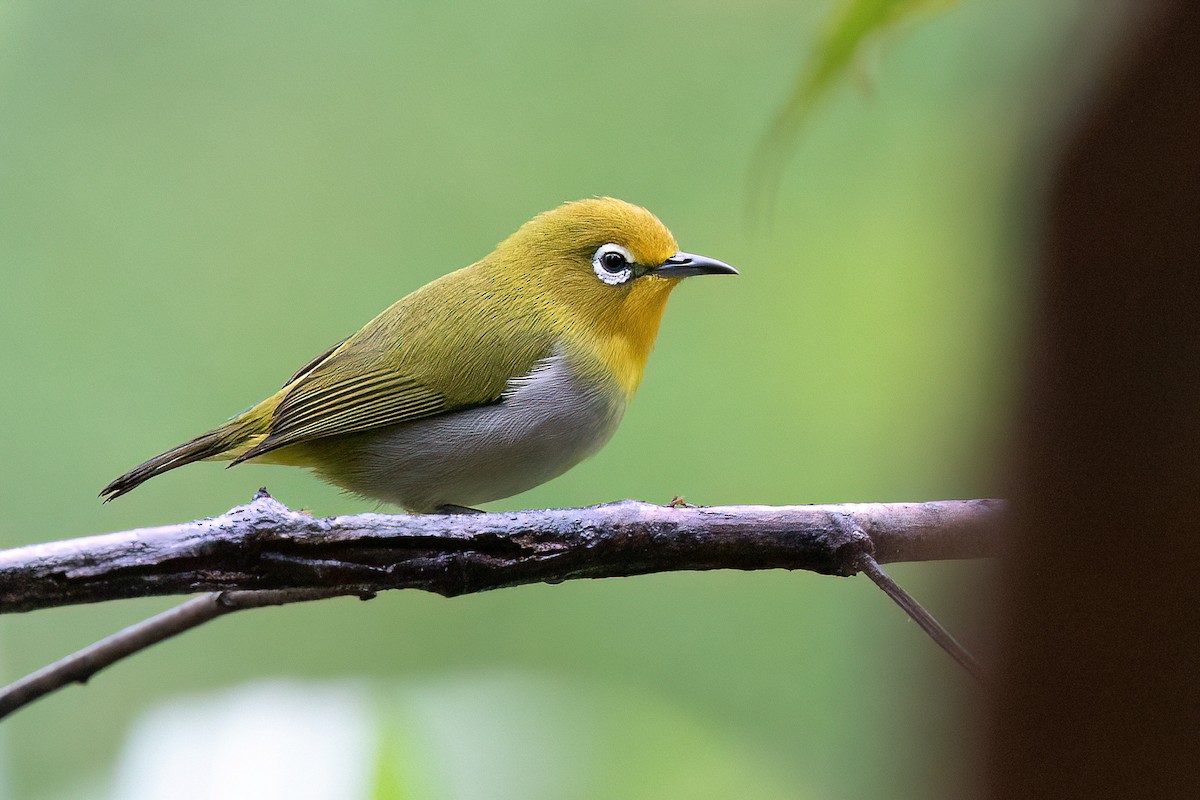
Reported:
(684, 265)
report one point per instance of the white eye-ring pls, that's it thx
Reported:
(613, 264)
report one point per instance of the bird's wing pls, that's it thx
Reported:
(324, 403)
(311, 365)
(371, 380)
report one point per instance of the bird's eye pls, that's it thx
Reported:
(613, 261)
(613, 264)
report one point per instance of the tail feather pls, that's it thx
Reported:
(214, 443)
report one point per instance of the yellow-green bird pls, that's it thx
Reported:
(481, 384)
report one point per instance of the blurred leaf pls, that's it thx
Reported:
(851, 25)
(388, 781)
(499, 736)
(530, 735)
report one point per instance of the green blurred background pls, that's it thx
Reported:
(195, 198)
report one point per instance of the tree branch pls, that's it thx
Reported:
(264, 554)
(266, 546)
(83, 664)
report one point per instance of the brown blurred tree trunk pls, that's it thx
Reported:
(1099, 690)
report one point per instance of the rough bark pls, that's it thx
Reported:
(265, 546)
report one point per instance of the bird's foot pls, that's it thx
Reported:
(451, 508)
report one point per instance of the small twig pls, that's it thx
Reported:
(870, 567)
(859, 552)
(83, 664)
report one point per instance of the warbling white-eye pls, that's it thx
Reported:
(481, 384)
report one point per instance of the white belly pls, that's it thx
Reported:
(547, 422)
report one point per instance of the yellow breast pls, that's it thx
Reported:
(614, 341)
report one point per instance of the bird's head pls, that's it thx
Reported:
(599, 271)
(603, 258)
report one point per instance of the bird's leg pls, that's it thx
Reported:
(451, 508)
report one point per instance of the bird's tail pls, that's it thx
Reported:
(227, 441)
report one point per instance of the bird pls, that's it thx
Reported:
(483, 383)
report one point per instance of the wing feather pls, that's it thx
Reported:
(417, 359)
(328, 401)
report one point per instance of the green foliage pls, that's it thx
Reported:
(850, 27)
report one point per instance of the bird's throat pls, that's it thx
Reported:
(620, 341)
